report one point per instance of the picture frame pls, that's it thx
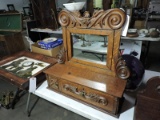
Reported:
(27, 11)
(11, 7)
(19, 81)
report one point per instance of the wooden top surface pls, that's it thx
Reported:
(20, 82)
(103, 83)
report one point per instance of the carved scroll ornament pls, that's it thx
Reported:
(54, 83)
(61, 56)
(122, 70)
(109, 19)
(91, 96)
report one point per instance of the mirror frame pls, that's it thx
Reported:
(102, 22)
(108, 33)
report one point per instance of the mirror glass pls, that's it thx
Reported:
(90, 48)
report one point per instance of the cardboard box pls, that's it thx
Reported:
(139, 24)
(51, 52)
(49, 44)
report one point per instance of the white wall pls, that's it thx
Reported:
(18, 4)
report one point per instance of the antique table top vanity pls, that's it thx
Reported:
(87, 72)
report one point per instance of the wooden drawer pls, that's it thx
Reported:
(90, 96)
(53, 82)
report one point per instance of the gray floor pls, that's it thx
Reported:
(45, 110)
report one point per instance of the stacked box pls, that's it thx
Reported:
(51, 52)
(50, 44)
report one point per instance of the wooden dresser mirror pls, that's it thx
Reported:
(91, 47)
(93, 41)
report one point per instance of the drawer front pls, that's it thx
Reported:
(96, 98)
(53, 82)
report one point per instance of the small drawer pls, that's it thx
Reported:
(90, 96)
(53, 82)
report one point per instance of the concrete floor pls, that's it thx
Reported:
(45, 110)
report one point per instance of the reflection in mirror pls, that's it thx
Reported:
(91, 48)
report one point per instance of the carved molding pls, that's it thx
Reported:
(91, 96)
(122, 70)
(54, 83)
(108, 19)
(61, 56)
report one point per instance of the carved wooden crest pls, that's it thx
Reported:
(108, 19)
(122, 70)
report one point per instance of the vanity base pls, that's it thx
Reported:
(97, 90)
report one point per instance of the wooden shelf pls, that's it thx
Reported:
(59, 31)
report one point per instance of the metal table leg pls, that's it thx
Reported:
(28, 102)
(17, 96)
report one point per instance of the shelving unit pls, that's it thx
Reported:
(46, 30)
(135, 42)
